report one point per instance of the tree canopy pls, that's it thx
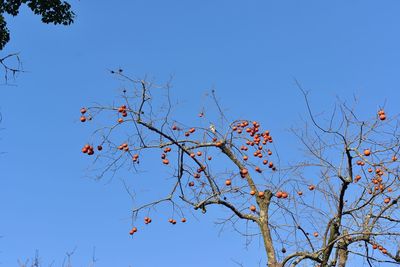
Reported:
(51, 11)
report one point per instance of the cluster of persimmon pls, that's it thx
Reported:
(123, 111)
(164, 155)
(199, 171)
(88, 149)
(261, 194)
(281, 194)
(83, 116)
(147, 220)
(360, 163)
(382, 115)
(187, 133)
(382, 249)
(191, 130)
(257, 140)
(133, 230)
(193, 155)
(123, 147)
(135, 157)
(377, 180)
(378, 184)
(172, 221)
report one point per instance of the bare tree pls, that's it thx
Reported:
(337, 203)
(36, 261)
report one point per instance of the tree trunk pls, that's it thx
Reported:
(342, 255)
(266, 231)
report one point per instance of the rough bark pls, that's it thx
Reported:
(342, 255)
(265, 229)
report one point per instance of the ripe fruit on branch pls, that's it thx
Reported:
(88, 149)
(270, 164)
(83, 118)
(83, 110)
(311, 187)
(85, 149)
(122, 108)
(133, 230)
(228, 182)
(382, 115)
(244, 171)
(316, 234)
(252, 192)
(285, 194)
(165, 161)
(253, 208)
(367, 152)
(183, 220)
(387, 200)
(279, 194)
(120, 120)
(261, 194)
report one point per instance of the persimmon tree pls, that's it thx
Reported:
(338, 202)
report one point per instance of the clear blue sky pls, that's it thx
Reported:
(249, 51)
